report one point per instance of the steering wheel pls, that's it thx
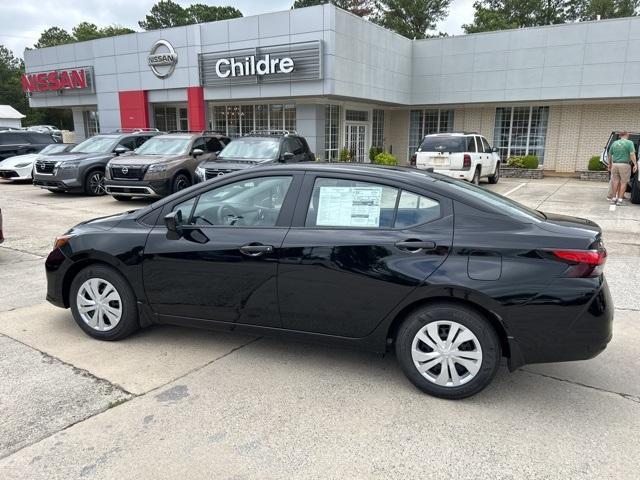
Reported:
(226, 213)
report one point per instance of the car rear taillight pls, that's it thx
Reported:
(466, 162)
(583, 263)
(413, 160)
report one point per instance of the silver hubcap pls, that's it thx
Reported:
(96, 183)
(99, 304)
(446, 353)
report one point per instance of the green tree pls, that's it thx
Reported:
(362, 8)
(167, 13)
(199, 13)
(115, 30)
(85, 31)
(608, 9)
(53, 36)
(412, 18)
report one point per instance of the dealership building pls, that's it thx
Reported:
(556, 92)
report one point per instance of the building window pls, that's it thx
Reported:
(377, 129)
(331, 131)
(91, 122)
(521, 131)
(356, 116)
(426, 122)
(170, 118)
(237, 120)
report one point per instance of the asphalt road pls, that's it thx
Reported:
(178, 403)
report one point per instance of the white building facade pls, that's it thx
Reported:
(556, 92)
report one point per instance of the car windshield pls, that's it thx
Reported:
(504, 204)
(251, 149)
(53, 148)
(164, 146)
(443, 144)
(97, 144)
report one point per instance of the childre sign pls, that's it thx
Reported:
(266, 66)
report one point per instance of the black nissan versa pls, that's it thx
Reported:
(358, 255)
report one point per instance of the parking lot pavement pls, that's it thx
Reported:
(228, 406)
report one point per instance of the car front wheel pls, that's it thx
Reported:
(103, 304)
(448, 350)
(94, 183)
(180, 183)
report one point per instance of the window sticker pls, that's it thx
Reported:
(349, 206)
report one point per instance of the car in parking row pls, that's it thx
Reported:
(20, 167)
(21, 142)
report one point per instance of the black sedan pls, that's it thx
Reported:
(452, 276)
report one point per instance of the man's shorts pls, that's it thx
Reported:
(620, 172)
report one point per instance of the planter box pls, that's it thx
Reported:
(508, 172)
(594, 176)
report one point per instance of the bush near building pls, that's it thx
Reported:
(384, 158)
(595, 165)
(373, 153)
(528, 162)
(345, 155)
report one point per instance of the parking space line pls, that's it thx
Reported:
(514, 189)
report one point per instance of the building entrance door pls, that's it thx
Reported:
(355, 136)
(169, 118)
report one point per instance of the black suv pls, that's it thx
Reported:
(259, 147)
(82, 168)
(20, 142)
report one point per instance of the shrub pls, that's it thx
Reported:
(373, 153)
(384, 158)
(595, 165)
(528, 161)
(345, 155)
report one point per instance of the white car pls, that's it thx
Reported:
(466, 156)
(20, 167)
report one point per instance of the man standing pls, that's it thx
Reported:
(622, 156)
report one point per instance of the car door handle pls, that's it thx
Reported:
(416, 245)
(256, 249)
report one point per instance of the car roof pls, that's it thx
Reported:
(453, 134)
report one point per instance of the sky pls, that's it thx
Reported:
(22, 21)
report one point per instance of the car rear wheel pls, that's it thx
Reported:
(476, 177)
(103, 304)
(122, 198)
(493, 179)
(180, 183)
(448, 350)
(94, 183)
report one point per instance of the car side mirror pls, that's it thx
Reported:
(494, 149)
(286, 157)
(173, 222)
(197, 152)
(119, 150)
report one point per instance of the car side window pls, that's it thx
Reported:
(10, 139)
(414, 209)
(141, 139)
(485, 145)
(344, 203)
(214, 145)
(247, 203)
(298, 147)
(471, 145)
(129, 142)
(199, 143)
(288, 146)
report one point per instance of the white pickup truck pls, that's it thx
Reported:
(466, 156)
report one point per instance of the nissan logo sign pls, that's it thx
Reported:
(220, 174)
(162, 59)
(125, 170)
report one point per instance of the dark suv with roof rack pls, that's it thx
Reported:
(82, 169)
(163, 165)
(259, 147)
(21, 142)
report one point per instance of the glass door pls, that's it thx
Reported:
(355, 136)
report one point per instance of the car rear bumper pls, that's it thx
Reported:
(459, 174)
(155, 188)
(577, 326)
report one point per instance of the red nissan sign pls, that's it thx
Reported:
(54, 81)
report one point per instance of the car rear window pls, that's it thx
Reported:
(443, 144)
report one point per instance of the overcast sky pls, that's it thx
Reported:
(22, 21)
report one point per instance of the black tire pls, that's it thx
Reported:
(485, 335)
(635, 189)
(180, 182)
(476, 177)
(122, 198)
(493, 179)
(128, 322)
(94, 183)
